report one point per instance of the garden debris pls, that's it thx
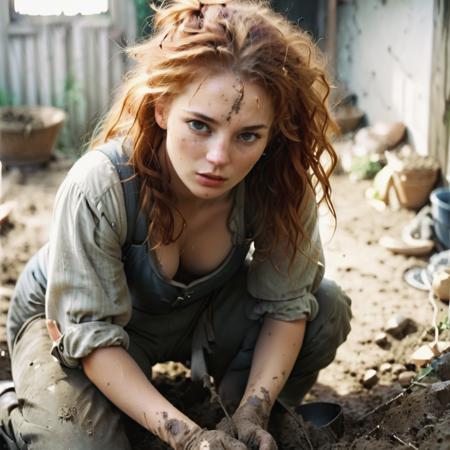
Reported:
(399, 326)
(348, 117)
(389, 133)
(405, 378)
(441, 366)
(417, 247)
(441, 283)
(413, 176)
(398, 368)
(426, 353)
(381, 339)
(5, 210)
(441, 390)
(370, 378)
(406, 180)
(385, 368)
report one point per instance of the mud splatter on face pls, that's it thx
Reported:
(238, 86)
(198, 87)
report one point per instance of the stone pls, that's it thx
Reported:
(442, 366)
(405, 378)
(370, 378)
(381, 339)
(441, 283)
(426, 353)
(441, 390)
(396, 326)
(425, 431)
(398, 368)
(385, 367)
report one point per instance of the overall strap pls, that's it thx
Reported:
(136, 224)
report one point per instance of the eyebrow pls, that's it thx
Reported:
(216, 122)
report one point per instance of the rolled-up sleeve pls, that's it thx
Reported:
(87, 293)
(284, 291)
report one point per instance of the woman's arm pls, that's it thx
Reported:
(117, 375)
(276, 351)
(122, 381)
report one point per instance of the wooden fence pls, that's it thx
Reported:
(70, 62)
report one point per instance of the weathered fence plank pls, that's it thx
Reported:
(71, 62)
(439, 127)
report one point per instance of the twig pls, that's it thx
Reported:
(297, 421)
(392, 435)
(385, 404)
(407, 444)
(207, 383)
(432, 300)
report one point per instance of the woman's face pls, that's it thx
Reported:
(217, 129)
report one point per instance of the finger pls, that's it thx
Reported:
(266, 441)
(53, 330)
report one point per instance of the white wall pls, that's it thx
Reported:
(384, 57)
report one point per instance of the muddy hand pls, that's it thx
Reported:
(201, 439)
(250, 421)
(53, 330)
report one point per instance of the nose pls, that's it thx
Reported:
(218, 153)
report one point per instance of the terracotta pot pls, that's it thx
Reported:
(413, 187)
(28, 133)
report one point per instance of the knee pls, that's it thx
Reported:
(330, 327)
(334, 313)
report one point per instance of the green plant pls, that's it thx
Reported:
(365, 167)
(71, 101)
(6, 99)
(143, 16)
(443, 325)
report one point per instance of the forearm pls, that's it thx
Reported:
(122, 381)
(276, 351)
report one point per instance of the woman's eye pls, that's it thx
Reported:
(197, 125)
(249, 137)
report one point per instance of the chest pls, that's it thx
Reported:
(204, 243)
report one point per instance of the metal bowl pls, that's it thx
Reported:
(323, 415)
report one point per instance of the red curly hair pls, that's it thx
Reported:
(258, 45)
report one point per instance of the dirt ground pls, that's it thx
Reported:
(420, 418)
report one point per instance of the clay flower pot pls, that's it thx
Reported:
(28, 133)
(414, 186)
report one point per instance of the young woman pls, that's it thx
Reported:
(189, 233)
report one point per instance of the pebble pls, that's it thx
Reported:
(370, 378)
(405, 378)
(441, 390)
(425, 431)
(381, 339)
(442, 367)
(396, 326)
(398, 368)
(385, 367)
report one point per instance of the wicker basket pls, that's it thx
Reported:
(28, 133)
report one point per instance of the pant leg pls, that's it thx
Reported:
(59, 408)
(322, 337)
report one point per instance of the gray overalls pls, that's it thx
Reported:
(205, 324)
